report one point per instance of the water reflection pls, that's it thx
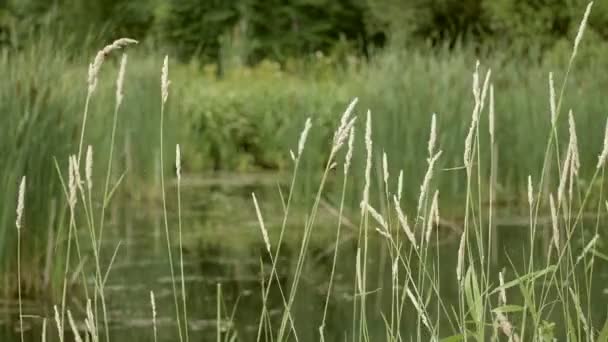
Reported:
(226, 248)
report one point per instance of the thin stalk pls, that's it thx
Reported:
(181, 254)
(19, 284)
(166, 221)
(335, 259)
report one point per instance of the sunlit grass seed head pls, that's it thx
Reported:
(73, 179)
(433, 217)
(602, 157)
(385, 168)
(349, 152)
(581, 29)
(304, 136)
(368, 161)
(530, 191)
(261, 223)
(95, 66)
(433, 135)
(552, 104)
(502, 294)
(403, 222)
(20, 204)
(460, 262)
(554, 222)
(164, 80)
(178, 163)
(120, 80)
(88, 170)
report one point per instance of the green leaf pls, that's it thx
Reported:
(525, 277)
(453, 338)
(508, 308)
(603, 336)
(473, 295)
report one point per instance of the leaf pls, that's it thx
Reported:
(473, 295)
(508, 308)
(453, 338)
(525, 277)
(603, 336)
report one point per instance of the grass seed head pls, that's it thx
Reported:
(303, 136)
(120, 80)
(349, 151)
(261, 222)
(102, 54)
(403, 222)
(20, 204)
(602, 157)
(164, 80)
(88, 170)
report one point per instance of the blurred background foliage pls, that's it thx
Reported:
(280, 29)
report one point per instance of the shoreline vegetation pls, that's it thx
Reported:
(535, 164)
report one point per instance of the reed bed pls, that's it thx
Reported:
(543, 297)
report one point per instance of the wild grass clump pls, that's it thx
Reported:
(541, 296)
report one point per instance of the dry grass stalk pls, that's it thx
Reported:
(77, 337)
(552, 104)
(178, 162)
(403, 222)
(261, 222)
(72, 181)
(383, 233)
(377, 217)
(579, 310)
(88, 170)
(400, 185)
(358, 271)
(602, 157)
(100, 58)
(303, 136)
(460, 264)
(502, 294)
(58, 323)
(20, 204)
(587, 248)
(90, 323)
(385, 168)
(433, 216)
(491, 115)
(418, 308)
(368, 162)
(573, 145)
(43, 332)
(530, 191)
(427, 179)
(153, 304)
(554, 222)
(432, 135)
(349, 151)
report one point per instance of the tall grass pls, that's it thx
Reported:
(462, 161)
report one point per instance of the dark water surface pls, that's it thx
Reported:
(224, 254)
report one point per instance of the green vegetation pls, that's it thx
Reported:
(241, 110)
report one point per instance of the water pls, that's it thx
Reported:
(223, 258)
